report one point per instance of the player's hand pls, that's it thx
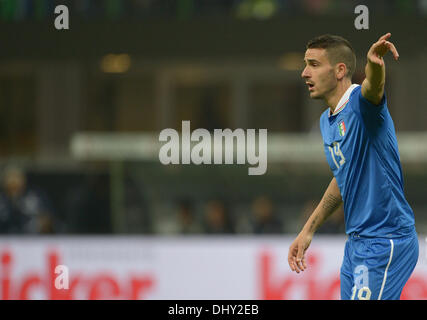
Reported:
(380, 48)
(296, 255)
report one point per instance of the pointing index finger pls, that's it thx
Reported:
(385, 37)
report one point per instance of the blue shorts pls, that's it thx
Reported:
(377, 268)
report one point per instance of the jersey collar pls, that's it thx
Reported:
(343, 101)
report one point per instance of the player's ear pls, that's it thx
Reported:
(340, 70)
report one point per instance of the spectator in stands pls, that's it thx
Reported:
(187, 222)
(22, 209)
(264, 218)
(217, 219)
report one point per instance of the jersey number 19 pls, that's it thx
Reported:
(337, 155)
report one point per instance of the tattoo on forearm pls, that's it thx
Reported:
(331, 202)
(313, 223)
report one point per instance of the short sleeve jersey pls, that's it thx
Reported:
(361, 149)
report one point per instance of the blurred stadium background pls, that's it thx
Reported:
(81, 111)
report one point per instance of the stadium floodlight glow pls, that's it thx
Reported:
(116, 63)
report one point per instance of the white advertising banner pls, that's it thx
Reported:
(212, 268)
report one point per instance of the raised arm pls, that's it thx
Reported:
(330, 202)
(373, 85)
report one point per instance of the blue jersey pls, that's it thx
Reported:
(361, 149)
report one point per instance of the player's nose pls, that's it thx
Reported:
(305, 73)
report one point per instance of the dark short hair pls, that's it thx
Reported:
(338, 50)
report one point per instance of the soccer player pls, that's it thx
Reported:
(361, 149)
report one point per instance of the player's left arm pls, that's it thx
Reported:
(373, 85)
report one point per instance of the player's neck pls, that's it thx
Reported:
(335, 95)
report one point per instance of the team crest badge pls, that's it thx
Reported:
(341, 127)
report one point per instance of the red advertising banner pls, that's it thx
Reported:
(127, 268)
